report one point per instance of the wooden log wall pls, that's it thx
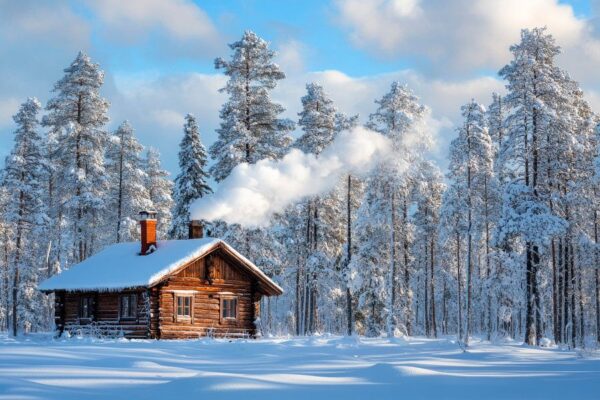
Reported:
(207, 281)
(105, 319)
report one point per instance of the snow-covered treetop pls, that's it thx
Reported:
(250, 128)
(79, 99)
(398, 111)
(251, 59)
(318, 120)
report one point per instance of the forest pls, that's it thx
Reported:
(504, 244)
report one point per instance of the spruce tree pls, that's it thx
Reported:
(191, 183)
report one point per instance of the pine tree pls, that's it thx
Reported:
(320, 120)
(191, 183)
(128, 193)
(471, 174)
(540, 139)
(6, 249)
(398, 116)
(426, 219)
(76, 117)
(159, 188)
(322, 244)
(250, 128)
(24, 174)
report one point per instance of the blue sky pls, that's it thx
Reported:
(158, 54)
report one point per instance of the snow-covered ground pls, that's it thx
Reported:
(295, 368)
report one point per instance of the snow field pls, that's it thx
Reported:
(328, 367)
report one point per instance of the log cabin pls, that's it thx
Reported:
(165, 289)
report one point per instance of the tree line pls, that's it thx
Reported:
(504, 244)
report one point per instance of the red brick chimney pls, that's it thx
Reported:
(148, 225)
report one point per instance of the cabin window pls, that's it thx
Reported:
(229, 308)
(128, 306)
(86, 305)
(184, 307)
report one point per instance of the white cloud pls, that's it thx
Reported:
(290, 56)
(462, 35)
(8, 108)
(133, 20)
(156, 107)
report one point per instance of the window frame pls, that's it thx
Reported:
(86, 303)
(183, 317)
(132, 313)
(223, 308)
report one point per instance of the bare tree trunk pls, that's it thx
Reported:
(469, 266)
(530, 300)
(459, 281)
(566, 297)
(554, 292)
(349, 258)
(18, 254)
(407, 293)
(560, 321)
(298, 293)
(426, 292)
(581, 312)
(573, 306)
(488, 270)
(597, 276)
(597, 304)
(120, 193)
(392, 306)
(5, 293)
(432, 288)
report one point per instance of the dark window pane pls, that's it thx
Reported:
(184, 304)
(229, 308)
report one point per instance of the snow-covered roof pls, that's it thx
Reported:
(120, 266)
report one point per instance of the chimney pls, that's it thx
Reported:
(148, 228)
(196, 229)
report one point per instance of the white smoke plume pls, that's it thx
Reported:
(252, 193)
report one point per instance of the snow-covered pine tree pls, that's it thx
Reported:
(25, 211)
(369, 265)
(429, 192)
(128, 193)
(5, 251)
(453, 225)
(471, 177)
(251, 129)
(77, 118)
(398, 116)
(541, 152)
(160, 188)
(192, 181)
(320, 122)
